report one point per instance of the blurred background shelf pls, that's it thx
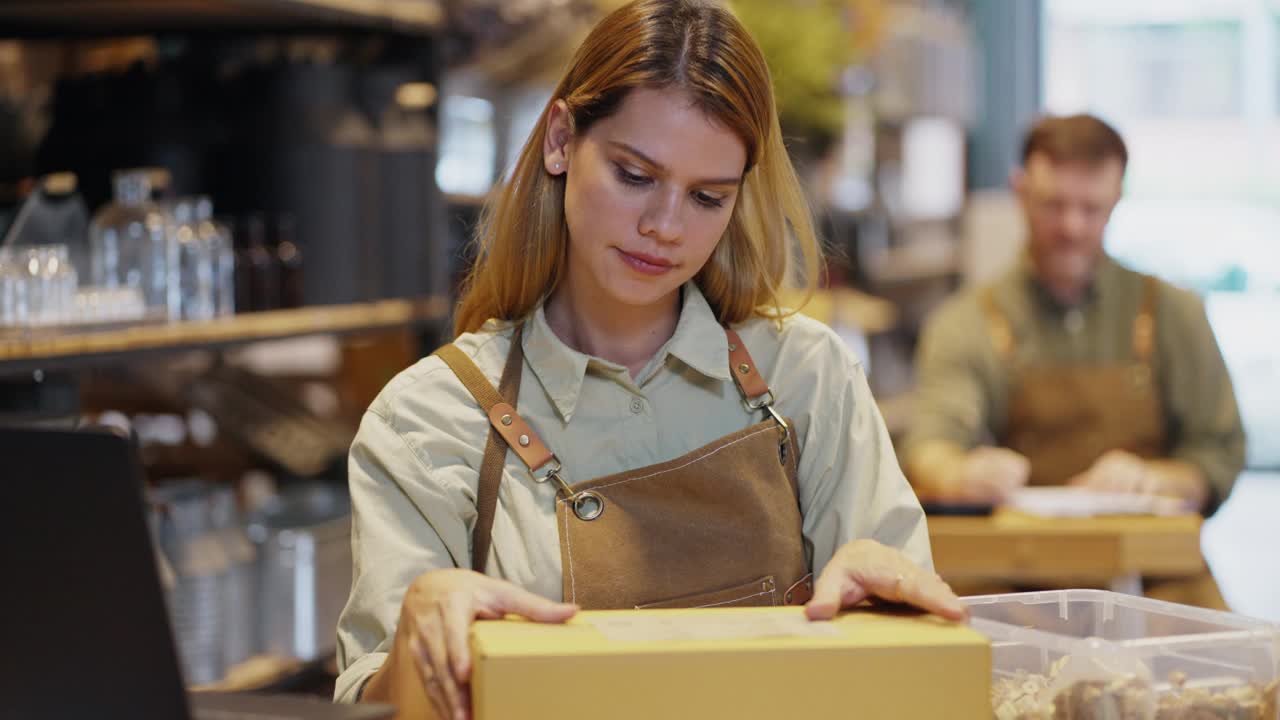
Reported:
(45, 349)
(72, 17)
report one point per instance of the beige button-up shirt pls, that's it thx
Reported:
(414, 464)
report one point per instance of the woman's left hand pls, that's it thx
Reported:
(865, 568)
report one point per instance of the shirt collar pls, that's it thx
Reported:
(558, 367)
(698, 341)
(1101, 279)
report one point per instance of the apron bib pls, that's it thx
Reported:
(719, 526)
(1063, 418)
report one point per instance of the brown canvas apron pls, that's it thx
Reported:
(719, 526)
(1063, 418)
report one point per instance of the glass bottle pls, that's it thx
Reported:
(263, 275)
(195, 261)
(129, 245)
(289, 256)
(217, 238)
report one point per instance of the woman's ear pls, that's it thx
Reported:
(1018, 180)
(556, 145)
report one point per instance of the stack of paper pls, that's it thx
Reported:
(1083, 502)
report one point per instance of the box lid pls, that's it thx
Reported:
(612, 632)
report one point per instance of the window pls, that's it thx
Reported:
(1147, 69)
(467, 146)
(1194, 86)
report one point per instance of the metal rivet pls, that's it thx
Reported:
(732, 347)
(506, 419)
(744, 368)
(524, 441)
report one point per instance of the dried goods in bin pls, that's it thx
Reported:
(1077, 687)
(1094, 655)
(1028, 696)
(1251, 701)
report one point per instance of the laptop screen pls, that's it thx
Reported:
(84, 617)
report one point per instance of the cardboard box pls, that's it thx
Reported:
(740, 663)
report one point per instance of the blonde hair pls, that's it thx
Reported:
(699, 47)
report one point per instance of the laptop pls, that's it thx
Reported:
(82, 612)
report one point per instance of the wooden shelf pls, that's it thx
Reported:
(105, 17)
(44, 349)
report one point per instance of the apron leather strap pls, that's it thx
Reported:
(1144, 326)
(997, 324)
(495, 450)
(745, 373)
(507, 430)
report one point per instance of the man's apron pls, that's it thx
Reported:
(1064, 417)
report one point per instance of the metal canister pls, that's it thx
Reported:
(303, 539)
(239, 591)
(200, 565)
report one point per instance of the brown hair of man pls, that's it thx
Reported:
(1083, 139)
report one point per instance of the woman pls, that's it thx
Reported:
(676, 440)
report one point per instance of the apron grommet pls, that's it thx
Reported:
(506, 420)
(744, 368)
(587, 505)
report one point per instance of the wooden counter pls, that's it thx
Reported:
(1114, 551)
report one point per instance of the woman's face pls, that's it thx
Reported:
(648, 194)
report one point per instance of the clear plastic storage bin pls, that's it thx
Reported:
(1092, 654)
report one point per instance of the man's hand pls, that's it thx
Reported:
(1121, 471)
(989, 474)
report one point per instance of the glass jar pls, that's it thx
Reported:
(13, 290)
(50, 283)
(129, 245)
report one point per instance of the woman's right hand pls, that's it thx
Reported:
(435, 618)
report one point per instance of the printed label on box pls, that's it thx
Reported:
(659, 627)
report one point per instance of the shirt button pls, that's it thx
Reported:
(1074, 321)
(637, 405)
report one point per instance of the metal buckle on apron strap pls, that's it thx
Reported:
(765, 402)
(586, 504)
(756, 394)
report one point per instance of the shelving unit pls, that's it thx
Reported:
(25, 350)
(79, 17)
